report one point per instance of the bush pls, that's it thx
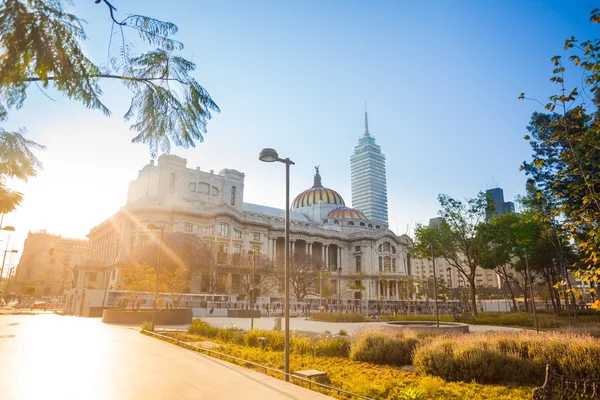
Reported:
(276, 339)
(501, 357)
(203, 328)
(343, 332)
(332, 347)
(337, 317)
(394, 347)
(147, 325)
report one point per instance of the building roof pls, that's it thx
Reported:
(346, 212)
(273, 212)
(317, 194)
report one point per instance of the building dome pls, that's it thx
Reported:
(346, 212)
(317, 194)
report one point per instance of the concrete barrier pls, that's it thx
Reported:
(181, 316)
(430, 326)
(243, 313)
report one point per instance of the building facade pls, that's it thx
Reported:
(501, 207)
(44, 272)
(363, 258)
(369, 186)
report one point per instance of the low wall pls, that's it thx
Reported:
(163, 317)
(243, 313)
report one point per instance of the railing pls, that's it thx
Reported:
(562, 387)
(266, 369)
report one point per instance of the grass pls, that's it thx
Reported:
(508, 357)
(546, 321)
(375, 381)
(338, 317)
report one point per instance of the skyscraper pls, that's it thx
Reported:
(369, 188)
(500, 206)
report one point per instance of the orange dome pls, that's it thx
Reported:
(346, 212)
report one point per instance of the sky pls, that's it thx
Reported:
(441, 80)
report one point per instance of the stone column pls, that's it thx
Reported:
(339, 257)
(309, 248)
(274, 250)
(323, 253)
(327, 256)
(292, 249)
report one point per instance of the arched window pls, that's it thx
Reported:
(380, 264)
(215, 191)
(350, 223)
(335, 221)
(192, 186)
(203, 187)
(362, 224)
(325, 221)
(386, 247)
(377, 227)
(370, 225)
(393, 249)
(223, 229)
(380, 248)
(393, 264)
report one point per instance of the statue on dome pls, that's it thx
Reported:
(317, 181)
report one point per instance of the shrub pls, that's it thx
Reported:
(501, 357)
(393, 347)
(337, 317)
(327, 332)
(343, 332)
(147, 325)
(332, 347)
(302, 345)
(276, 339)
(203, 328)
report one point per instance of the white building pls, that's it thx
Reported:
(211, 206)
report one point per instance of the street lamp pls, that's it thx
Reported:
(270, 155)
(435, 294)
(449, 270)
(557, 264)
(518, 250)
(252, 290)
(153, 226)
(6, 251)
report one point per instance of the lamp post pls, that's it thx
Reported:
(518, 250)
(252, 290)
(435, 293)
(6, 251)
(449, 270)
(556, 262)
(270, 155)
(321, 288)
(160, 243)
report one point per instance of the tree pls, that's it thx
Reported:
(176, 283)
(304, 276)
(258, 267)
(17, 161)
(41, 44)
(137, 279)
(566, 152)
(456, 239)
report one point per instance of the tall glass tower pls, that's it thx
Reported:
(369, 188)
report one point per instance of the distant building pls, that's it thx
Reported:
(369, 187)
(358, 252)
(436, 222)
(46, 273)
(501, 207)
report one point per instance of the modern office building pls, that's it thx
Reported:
(369, 187)
(501, 207)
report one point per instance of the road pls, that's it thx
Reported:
(55, 357)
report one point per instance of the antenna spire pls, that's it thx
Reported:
(366, 121)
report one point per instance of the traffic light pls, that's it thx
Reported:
(51, 251)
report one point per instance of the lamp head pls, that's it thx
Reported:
(268, 155)
(516, 249)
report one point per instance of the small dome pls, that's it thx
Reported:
(317, 194)
(346, 212)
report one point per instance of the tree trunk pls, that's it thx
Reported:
(512, 295)
(473, 298)
(525, 296)
(551, 292)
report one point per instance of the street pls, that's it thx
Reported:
(49, 356)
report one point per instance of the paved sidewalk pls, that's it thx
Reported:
(56, 357)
